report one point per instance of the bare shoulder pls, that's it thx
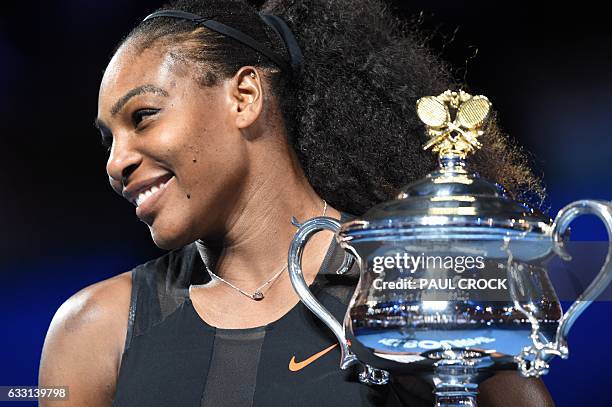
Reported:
(85, 340)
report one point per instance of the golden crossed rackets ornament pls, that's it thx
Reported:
(458, 137)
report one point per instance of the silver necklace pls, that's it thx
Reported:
(257, 295)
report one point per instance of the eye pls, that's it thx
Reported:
(106, 139)
(107, 142)
(139, 115)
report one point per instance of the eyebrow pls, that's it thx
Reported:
(119, 104)
(135, 92)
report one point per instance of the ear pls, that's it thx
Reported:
(247, 95)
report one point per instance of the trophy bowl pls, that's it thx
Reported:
(453, 272)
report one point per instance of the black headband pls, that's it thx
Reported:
(276, 23)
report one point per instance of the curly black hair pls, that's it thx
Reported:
(351, 117)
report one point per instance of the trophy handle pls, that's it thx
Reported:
(533, 360)
(603, 210)
(369, 374)
(305, 232)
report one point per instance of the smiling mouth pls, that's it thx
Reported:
(151, 191)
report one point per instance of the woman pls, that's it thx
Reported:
(219, 138)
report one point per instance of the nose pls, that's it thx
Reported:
(122, 161)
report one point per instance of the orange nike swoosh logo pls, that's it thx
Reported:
(295, 366)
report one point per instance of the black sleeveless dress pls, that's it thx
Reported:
(173, 358)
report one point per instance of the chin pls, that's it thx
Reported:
(167, 240)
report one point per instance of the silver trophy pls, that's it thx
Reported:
(453, 273)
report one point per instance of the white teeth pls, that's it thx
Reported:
(143, 196)
(140, 199)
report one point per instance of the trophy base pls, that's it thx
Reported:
(462, 400)
(456, 376)
(454, 373)
(423, 363)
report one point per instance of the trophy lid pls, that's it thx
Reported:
(451, 199)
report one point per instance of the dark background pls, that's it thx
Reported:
(546, 70)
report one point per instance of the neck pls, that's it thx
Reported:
(258, 231)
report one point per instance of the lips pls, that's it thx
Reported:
(144, 193)
(146, 207)
(135, 188)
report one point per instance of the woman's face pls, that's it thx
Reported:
(177, 153)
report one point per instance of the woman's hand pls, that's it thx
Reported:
(503, 389)
(509, 388)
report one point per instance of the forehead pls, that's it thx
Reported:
(130, 68)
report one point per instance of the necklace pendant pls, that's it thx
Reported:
(257, 295)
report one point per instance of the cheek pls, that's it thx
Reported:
(193, 207)
(208, 189)
(209, 178)
(208, 159)
(212, 160)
